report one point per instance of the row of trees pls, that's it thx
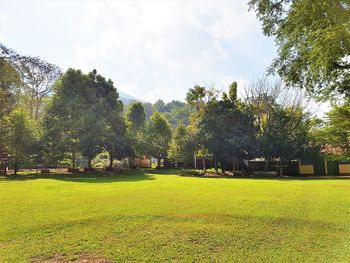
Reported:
(84, 116)
(269, 122)
(25, 85)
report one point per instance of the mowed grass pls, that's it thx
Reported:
(144, 216)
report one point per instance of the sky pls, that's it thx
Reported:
(150, 49)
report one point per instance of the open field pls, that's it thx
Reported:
(144, 216)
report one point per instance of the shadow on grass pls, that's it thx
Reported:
(197, 174)
(84, 177)
(148, 174)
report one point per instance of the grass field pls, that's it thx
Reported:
(143, 216)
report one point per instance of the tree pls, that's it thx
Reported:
(314, 43)
(289, 136)
(91, 136)
(334, 136)
(136, 116)
(9, 84)
(85, 115)
(223, 127)
(37, 76)
(226, 130)
(20, 137)
(182, 146)
(148, 109)
(281, 122)
(233, 91)
(265, 100)
(196, 96)
(108, 108)
(159, 106)
(157, 137)
(63, 121)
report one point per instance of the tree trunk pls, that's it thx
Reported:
(223, 166)
(16, 162)
(216, 166)
(203, 165)
(89, 163)
(73, 160)
(31, 106)
(158, 163)
(233, 165)
(281, 167)
(195, 161)
(253, 167)
(16, 167)
(110, 162)
(266, 167)
(36, 108)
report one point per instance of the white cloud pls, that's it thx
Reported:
(161, 45)
(2, 26)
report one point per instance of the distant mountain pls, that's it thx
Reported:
(126, 98)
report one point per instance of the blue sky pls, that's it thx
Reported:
(150, 49)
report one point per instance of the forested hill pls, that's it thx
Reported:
(126, 98)
(175, 111)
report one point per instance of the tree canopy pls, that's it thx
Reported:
(85, 115)
(334, 134)
(313, 40)
(157, 137)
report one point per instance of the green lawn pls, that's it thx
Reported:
(164, 217)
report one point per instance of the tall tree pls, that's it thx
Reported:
(182, 146)
(223, 127)
(37, 76)
(281, 121)
(86, 115)
(159, 106)
(335, 134)
(226, 130)
(9, 85)
(63, 119)
(109, 108)
(265, 100)
(314, 43)
(136, 116)
(199, 96)
(20, 137)
(157, 137)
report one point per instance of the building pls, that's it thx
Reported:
(3, 162)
